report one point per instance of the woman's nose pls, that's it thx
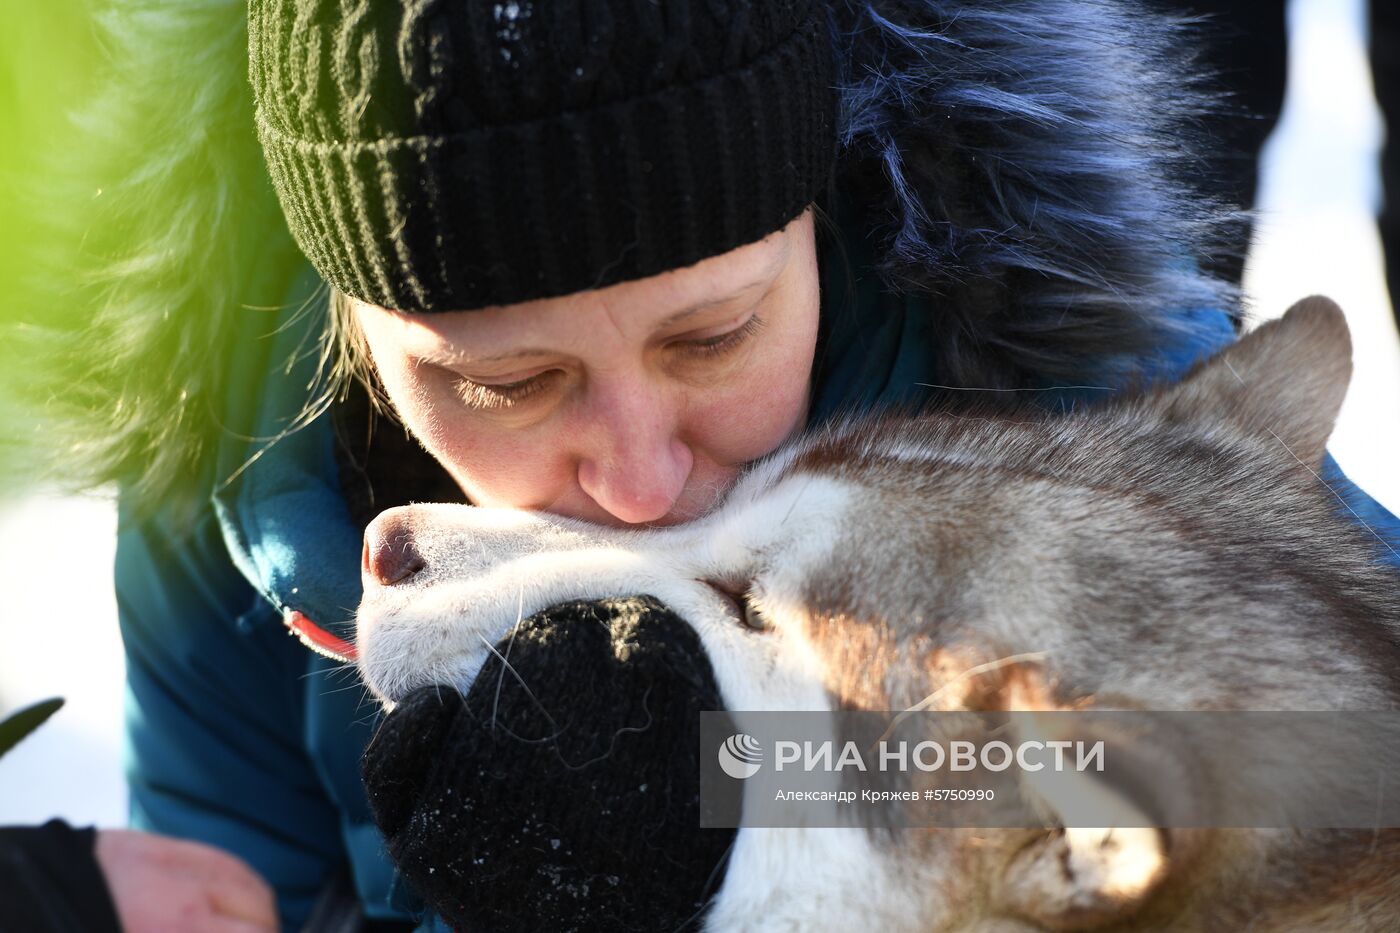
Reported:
(640, 486)
(390, 555)
(634, 466)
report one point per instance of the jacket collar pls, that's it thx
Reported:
(284, 518)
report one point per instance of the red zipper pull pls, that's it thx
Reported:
(318, 639)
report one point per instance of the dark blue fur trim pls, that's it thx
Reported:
(1024, 163)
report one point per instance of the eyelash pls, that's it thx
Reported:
(726, 341)
(508, 395)
(476, 395)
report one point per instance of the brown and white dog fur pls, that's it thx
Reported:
(1173, 550)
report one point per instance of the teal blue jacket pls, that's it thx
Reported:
(239, 736)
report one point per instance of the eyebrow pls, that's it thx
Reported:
(452, 359)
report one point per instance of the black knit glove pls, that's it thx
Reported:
(50, 881)
(562, 792)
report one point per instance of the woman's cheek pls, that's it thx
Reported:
(494, 463)
(500, 465)
(758, 408)
(781, 380)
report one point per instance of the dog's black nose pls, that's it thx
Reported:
(390, 555)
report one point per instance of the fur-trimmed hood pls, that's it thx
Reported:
(1022, 165)
(1019, 165)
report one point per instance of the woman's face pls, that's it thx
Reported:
(636, 403)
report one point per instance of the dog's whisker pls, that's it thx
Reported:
(506, 665)
(505, 660)
(961, 678)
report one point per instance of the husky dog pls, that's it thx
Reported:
(1170, 550)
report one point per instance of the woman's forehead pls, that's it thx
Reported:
(641, 307)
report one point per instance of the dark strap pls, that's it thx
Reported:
(338, 910)
(50, 881)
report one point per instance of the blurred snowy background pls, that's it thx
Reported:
(1319, 193)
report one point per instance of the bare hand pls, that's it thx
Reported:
(163, 885)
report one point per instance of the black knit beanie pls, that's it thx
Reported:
(435, 155)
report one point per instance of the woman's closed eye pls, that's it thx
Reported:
(722, 343)
(486, 396)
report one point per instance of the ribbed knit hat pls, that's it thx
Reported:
(435, 155)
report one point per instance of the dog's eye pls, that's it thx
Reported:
(738, 595)
(752, 617)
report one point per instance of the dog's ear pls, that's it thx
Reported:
(1285, 380)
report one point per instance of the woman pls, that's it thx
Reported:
(599, 256)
